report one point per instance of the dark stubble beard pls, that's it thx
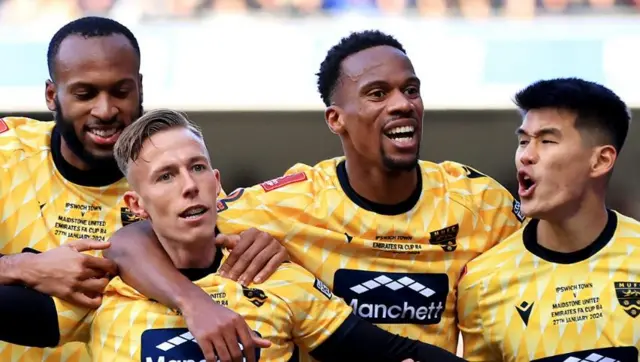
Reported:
(68, 133)
(394, 165)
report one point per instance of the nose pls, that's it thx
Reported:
(529, 155)
(399, 103)
(189, 187)
(104, 108)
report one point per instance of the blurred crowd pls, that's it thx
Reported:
(19, 11)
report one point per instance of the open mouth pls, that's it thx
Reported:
(401, 134)
(194, 212)
(526, 184)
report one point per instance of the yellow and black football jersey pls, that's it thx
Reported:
(44, 202)
(290, 308)
(522, 302)
(397, 266)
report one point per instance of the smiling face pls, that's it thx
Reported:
(97, 92)
(377, 109)
(175, 186)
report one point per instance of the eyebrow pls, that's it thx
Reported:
(169, 166)
(383, 83)
(549, 131)
(81, 83)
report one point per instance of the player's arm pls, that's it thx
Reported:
(31, 318)
(11, 270)
(326, 326)
(144, 265)
(64, 272)
(358, 340)
(477, 347)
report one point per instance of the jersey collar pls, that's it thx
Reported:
(198, 273)
(530, 239)
(382, 209)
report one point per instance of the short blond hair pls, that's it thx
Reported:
(129, 145)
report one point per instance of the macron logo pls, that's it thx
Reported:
(176, 341)
(383, 280)
(594, 357)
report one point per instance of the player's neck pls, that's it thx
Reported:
(195, 254)
(380, 186)
(71, 158)
(575, 232)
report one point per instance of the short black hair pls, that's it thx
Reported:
(595, 106)
(88, 27)
(354, 43)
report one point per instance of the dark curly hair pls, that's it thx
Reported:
(356, 42)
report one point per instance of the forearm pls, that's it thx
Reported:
(29, 318)
(13, 268)
(357, 339)
(145, 266)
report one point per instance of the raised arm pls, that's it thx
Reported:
(144, 265)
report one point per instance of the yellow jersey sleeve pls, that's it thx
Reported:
(22, 134)
(316, 312)
(20, 138)
(496, 208)
(74, 322)
(269, 206)
(476, 346)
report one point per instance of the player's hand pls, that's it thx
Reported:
(65, 272)
(218, 331)
(254, 256)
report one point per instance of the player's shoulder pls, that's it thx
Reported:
(26, 134)
(24, 129)
(460, 177)
(466, 184)
(292, 276)
(117, 288)
(497, 259)
(299, 177)
(627, 230)
(301, 180)
(319, 175)
(626, 223)
(291, 272)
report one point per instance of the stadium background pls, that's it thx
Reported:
(244, 70)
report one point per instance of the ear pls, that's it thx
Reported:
(332, 115)
(216, 173)
(135, 204)
(50, 92)
(603, 160)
